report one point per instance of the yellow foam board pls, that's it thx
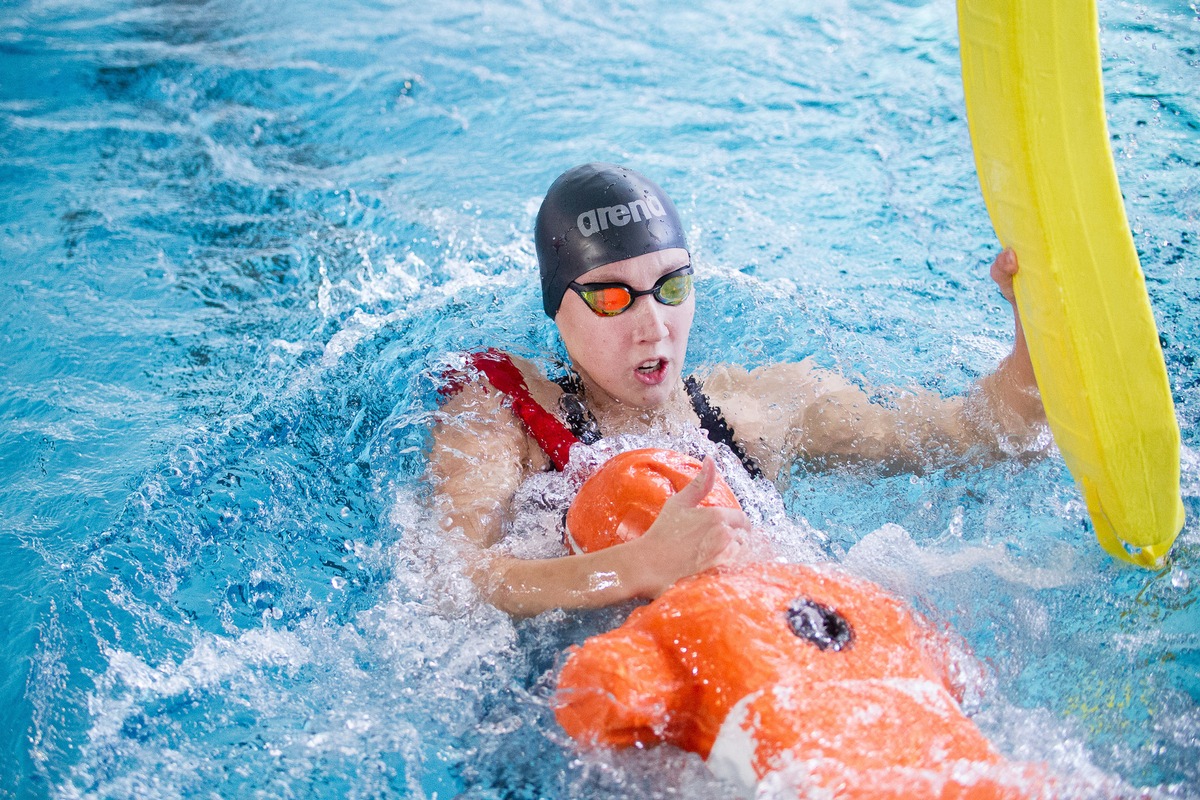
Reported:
(1035, 108)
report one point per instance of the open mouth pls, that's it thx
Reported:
(653, 365)
(652, 371)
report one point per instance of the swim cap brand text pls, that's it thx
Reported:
(599, 219)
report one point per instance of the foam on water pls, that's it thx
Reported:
(241, 246)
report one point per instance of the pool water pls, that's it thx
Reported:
(241, 239)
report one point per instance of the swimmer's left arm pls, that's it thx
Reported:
(786, 412)
(1001, 415)
(1012, 388)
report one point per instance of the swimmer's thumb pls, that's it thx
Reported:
(698, 488)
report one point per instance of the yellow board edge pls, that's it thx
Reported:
(1035, 110)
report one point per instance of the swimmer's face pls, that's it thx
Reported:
(635, 357)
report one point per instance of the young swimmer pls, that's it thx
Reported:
(617, 281)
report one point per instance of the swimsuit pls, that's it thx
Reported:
(555, 438)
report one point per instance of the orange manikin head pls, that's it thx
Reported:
(622, 500)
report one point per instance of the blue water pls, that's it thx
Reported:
(240, 239)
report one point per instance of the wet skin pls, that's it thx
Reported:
(634, 358)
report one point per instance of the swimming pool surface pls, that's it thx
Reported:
(240, 240)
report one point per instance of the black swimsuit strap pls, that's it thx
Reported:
(579, 417)
(713, 422)
(583, 424)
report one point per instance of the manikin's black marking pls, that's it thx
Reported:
(819, 624)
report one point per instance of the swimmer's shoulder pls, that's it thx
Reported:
(735, 386)
(474, 386)
(475, 409)
(767, 405)
(545, 392)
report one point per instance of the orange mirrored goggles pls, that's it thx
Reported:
(610, 299)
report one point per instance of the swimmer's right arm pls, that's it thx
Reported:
(480, 454)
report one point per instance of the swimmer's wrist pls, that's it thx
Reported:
(637, 578)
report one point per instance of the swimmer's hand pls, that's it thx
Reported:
(686, 538)
(1013, 385)
(1004, 268)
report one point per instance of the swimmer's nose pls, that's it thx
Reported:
(651, 319)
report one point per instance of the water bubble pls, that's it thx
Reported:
(1180, 579)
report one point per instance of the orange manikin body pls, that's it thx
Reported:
(769, 667)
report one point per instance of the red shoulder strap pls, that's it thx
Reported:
(552, 436)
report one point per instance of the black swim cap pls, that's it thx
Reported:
(596, 214)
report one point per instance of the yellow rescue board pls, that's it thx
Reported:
(1035, 107)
